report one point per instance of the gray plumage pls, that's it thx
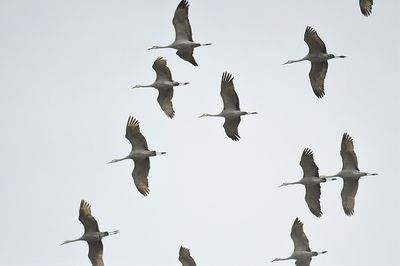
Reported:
(231, 111)
(183, 42)
(318, 57)
(302, 252)
(140, 154)
(92, 234)
(165, 86)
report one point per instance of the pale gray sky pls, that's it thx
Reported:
(66, 68)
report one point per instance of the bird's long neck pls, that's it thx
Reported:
(295, 61)
(291, 183)
(278, 259)
(69, 241)
(142, 86)
(215, 115)
(118, 160)
(160, 47)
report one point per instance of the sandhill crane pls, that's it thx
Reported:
(183, 34)
(302, 252)
(350, 174)
(231, 111)
(140, 154)
(185, 258)
(92, 234)
(318, 57)
(311, 181)
(366, 7)
(165, 86)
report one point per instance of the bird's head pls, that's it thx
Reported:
(136, 86)
(289, 62)
(203, 115)
(154, 47)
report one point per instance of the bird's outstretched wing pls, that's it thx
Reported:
(366, 7)
(348, 194)
(303, 262)
(161, 69)
(187, 55)
(86, 218)
(183, 31)
(140, 173)
(317, 77)
(310, 169)
(228, 93)
(133, 134)
(349, 157)
(185, 258)
(298, 236)
(313, 194)
(96, 253)
(165, 100)
(314, 42)
(231, 128)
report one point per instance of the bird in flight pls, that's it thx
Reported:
(318, 57)
(92, 234)
(311, 181)
(302, 252)
(350, 174)
(183, 43)
(165, 86)
(185, 258)
(140, 154)
(231, 111)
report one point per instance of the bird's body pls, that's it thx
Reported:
(92, 234)
(185, 258)
(183, 43)
(302, 252)
(366, 7)
(165, 86)
(349, 173)
(311, 181)
(140, 154)
(231, 111)
(318, 57)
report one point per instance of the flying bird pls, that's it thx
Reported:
(185, 258)
(140, 154)
(92, 234)
(350, 174)
(231, 111)
(302, 252)
(366, 7)
(183, 34)
(165, 86)
(311, 181)
(318, 57)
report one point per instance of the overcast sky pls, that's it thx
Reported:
(66, 69)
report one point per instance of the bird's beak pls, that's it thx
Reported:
(286, 63)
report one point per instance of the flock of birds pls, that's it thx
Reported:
(231, 112)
